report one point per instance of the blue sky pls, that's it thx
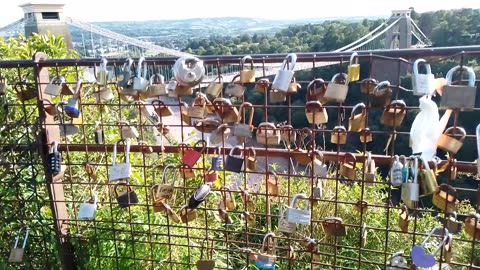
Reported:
(138, 10)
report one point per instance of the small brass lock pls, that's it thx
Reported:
(368, 85)
(267, 134)
(337, 88)
(338, 135)
(251, 159)
(357, 121)
(225, 110)
(247, 75)
(244, 129)
(228, 198)
(262, 85)
(316, 113)
(187, 214)
(273, 184)
(448, 140)
(403, 219)
(428, 179)
(214, 88)
(288, 134)
(348, 166)
(394, 113)
(445, 198)
(161, 108)
(197, 109)
(235, 88)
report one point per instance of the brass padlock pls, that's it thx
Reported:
(368, 85)
(301, 152)
(183, 90)
(357, 122)
(338, 135)
(16, 253)
(235, 88)
(127, 131)
(277, 96)
(161, 108)
(184, 113)
(262, 85)
(316, 113)
(337, 88)
(102, 73)
(459, 96)
(381, 95)
(316, 91)
(452, 224)
(333, 226)
(156, 87)
(208, 263)
(361, 206)
(369, 170)
(214, 88)
(249, 204)
(251, 159)
(427, 179)
(403, 219)
(365, 135)
(353, 68)
(394, 113)
(294, 86)
(247, 75)
(472, 225)
(348, 166)
(267, 134)
(273, 184)
(170, 213)
(228, 198)
(448, 141)
(187, 172)
(187, 214)
(445, 198)
(197, 109)
(164, 190)
(287, 134)
(49, 107)
(244, 129)
(225, 110)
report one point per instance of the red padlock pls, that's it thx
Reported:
(210, 176)
(191, 156)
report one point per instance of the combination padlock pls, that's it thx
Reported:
(54, 159)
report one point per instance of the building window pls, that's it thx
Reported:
(50, 16)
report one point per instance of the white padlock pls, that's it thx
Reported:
(88, 210)
(140, 82)
(284, 76)
(102, 73)
(299, 216)
(423, 84)
(120, 171)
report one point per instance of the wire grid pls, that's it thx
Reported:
(138, 238)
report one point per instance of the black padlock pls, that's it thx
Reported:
(99, 134)
(54, 159)
(199, 196)
(234, 163)
(126, 198)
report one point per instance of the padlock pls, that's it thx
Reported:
(369, 170)
(334, 227)
(445, 198)
(300, 153)
(251, 156)
(317, 165)
(99, 133)
(228, 198)
(199, 196)
(214, 88)
(267, 134)
(348, 166)
(294, 86)
(161, 109)
(220, 134)
(208, 263)
(156, 86)
(247, 75)
(262, 85)
(338, 135)
(172, 84)
(165, 190)
(3, 85)
(276, 96)
(234, 163)
(225, 110)
(49, 107)
(170, 213)
(396, 175)
(422, 84)
(55, 86)
(54, 159)
(197, 109)
(264, 259)
(394, 113)
(448, 141)
(427, 179)
(403, 219)
(361, 206)
(249, 204)
(126, 75)
(103, 95)
(273, 183)
(16, 253)
(147, 112)
(422, 259)
(25, 92)
(187, 172)
(209, 125)
(316, 113)
(217, 160)
(381, 95)
(353, 68)
(459, 96)
(364, 234)
(234, 88)
(66, 129)
(210, 176)
(299, 216)
(126, 198)
(316, 91)
(244, 129)
(448, 249)
(357, 122)
(183, 90)
(284, 76)
(127, 131)
(337, 88)
(397, 261)
(140, 81)
(311, 245)
(472, 225)
(287, 134)
(188, 71)
(102, 73)
(317, 189)
(191, 156)
(88, 208)
(411, 190)
(285, 226)
(452, 224)
(157, 203)
(121, 171)
(368, 85)
(365, 135)
(71, 109)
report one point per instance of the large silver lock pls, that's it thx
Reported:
(459, 96)
(188, 71)
(140, 82)
(244, 129)
(102, 73)
(422, 84)
(55, 86)
(88, 208)
(411, 190)
(284, 76)
(299, 216)
(127, 131)
(122, 171)
(16, 254)
(3, 85)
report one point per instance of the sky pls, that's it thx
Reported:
(141, 10)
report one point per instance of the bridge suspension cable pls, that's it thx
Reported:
(361, 39)
(374, 37)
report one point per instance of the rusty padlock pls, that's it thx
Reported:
(361, 206)
(220, 134)
(197, 109)
(267, 134)
(334, 227)
(316, 91)
(251, 156)
(472, 225)
(300, 153)
(348, 166)
(381, 95)
(338, 135)
(225, 110)
(187, 172)
(262, 85)
(448, 141)
(368, 85)
(276, 96)
(357, 122)
(287, 134)
(316, 113)
(365, 135)
(228, 198)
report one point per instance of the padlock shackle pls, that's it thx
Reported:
(404, 209)
(94, 197)
(265, 239)
(165, 171)
(233, 149)
(336, 76)
(244, 60)
(203, 144)
(477, 132)
(235, 78)
(157, 79)
(333, 220)
(423, 62)
(351, 157)
(425, 163)
(462, 131)
(355, 57)
(299, 196)
(311, 105)
(17, 239)
(266, 126)
(369, 81)
(318, 153)
(445, 233)
(126, 151)
(210, 245)
(364, 230)
(142, 65)
(59, 80)
(469, 70)
(242, 110)
(103, 64)
(290, 60)
(314, 82)
(381, 85)
(78, 88)
(57, 106)
(360, 105)
(127, 65)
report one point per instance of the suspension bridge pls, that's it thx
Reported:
(399, 31)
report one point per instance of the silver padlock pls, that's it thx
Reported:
(459, 96)
(411, 190)
(102, 73)
(284, 76)
(55, 86)
(121, 171)
(317, 190)
(422, 84)
(285, 226)
(244, 129)
(188, 71)
(299, 216)
(396, 176)
(3, 85)
(397, 261)
(127, 131)
(16, 254)
(88, 208)
(140, 82)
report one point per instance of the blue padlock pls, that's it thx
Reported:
(217, 161)
(264, 266)
(71, 109)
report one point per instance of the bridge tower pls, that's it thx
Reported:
(41, 18)
(400, 35)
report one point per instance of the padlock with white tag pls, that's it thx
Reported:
(337, 88)
(140, 82)
(284, 76)
(353, 68)
(460, 97)
(121, 171)
(422, 84)
(88, 208)
(55, 86)
(247, 75)
(299, 216)
(72, 109)
(17, 253)
(244, 129)
(127, 131)
(102, 73)
(411, 190)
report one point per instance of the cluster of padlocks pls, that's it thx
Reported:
(213, 113)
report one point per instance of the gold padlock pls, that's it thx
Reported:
(339, 135)
(368, 85)
(197, 109)
(316, 113)
(208, 125)
(251, 159)
(262, 85)
(394, 113)
(301, 152)
(357, 122)
(427, 179)
(403, 219)
(273, 185)
(445, 198)
(369, 169)
(353, 68)
(161, 108)
(337, 88)
(225, 110)
(472, 225)
(348, 166)
(448, 141)
(293, 87)
(247, 75)
(366, 135)
(214, 88)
